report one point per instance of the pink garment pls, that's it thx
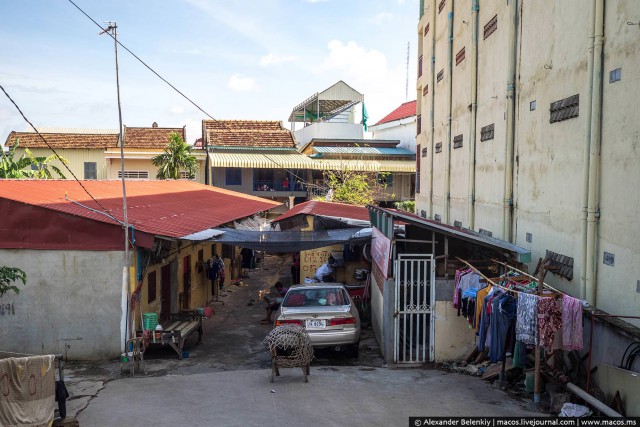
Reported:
(571, 323)
(549, 321)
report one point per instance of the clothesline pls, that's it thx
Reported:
(495, 284)
(529, 275)
(57, 356)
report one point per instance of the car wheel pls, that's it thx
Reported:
(354, 350)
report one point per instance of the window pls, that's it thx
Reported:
(437, 218)
(491, 26)
(419, 123)
(417, 169)
(385, 179)
(532, 105)
(460, 56)
(439, 147)
(457, 141)
(564, 109)
(441, 5)
(457, 224)
(424, 152)
(609, 259)
(485, 232)
(420, 66)
(425, 91)
(200, 265)
(426, 30)
(529, 237)
(440, 75)
(562, 265)
(134, 174)
(151, 287)
(233, 176)
(615, 75)
(185, 175)
(423, 213)
(91, 170)
(486, 132)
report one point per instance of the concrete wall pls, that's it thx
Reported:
(403, 130)
(76, 159)
(113, 167)
(328, 130)
(71, 298)
(548, 162)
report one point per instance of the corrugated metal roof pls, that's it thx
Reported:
(317, 207)
(260, 161)
(166, 208)
(462, 233)
(326, 104)
(408, 109)
(385, 151)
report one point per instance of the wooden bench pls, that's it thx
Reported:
(177, 330)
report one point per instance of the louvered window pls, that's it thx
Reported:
(441, 5)
(457, 141)
(134, 174)
(486, 132)
(440, 75)
(185, 175)
(418, 170)
(564, 109)
(460, 56)
(426, 30)
(424, 152)
(491, 26)
(439, 147)
(419, 123)
(425, 91)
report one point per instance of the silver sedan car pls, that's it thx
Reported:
(327, 312)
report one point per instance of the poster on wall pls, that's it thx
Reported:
(381, 251)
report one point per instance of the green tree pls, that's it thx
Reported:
(8, 277)
(176, 158)
(406, 205)
(28, 165)
(351, 187)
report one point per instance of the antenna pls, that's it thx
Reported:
(406, 95)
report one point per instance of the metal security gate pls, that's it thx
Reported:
(414, 327)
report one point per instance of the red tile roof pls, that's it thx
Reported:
(407, 109)
(167, 208)
(247, 133)
(63, 140)
(317, 207)
(152, 137)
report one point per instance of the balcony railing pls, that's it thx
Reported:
(277, 185)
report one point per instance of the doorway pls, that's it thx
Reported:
(165, 286)
(186, 280)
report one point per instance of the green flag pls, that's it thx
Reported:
(365, 116)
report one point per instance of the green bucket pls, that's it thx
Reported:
(150, 320)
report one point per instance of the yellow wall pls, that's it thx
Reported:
(75, 158)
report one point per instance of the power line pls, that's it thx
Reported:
(64, 162)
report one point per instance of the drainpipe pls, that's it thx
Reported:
(507, 205)
(593, 209)
(586, 152)
(433, 103)
(474, 113)
(447, 175)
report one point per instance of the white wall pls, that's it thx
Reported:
(328, 130)
(71, 297)
(402, 130)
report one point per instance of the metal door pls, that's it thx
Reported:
(414, 328)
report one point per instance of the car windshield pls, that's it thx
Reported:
(315, 297)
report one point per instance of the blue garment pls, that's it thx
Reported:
(503, 312)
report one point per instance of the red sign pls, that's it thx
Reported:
(381, 251)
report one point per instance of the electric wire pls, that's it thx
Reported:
(106, 211)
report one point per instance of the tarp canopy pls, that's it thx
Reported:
(291, 241)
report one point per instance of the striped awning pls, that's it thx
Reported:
(369, 165)
(260, 161)
(300, 161)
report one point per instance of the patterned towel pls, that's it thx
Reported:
(549, 321)
(27, 385)
(571, 323)
(527, 320)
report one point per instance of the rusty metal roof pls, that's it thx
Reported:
(166, 208)
(320, 208)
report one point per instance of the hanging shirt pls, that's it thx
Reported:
(482, 294)
(503, 314)
(549, 321)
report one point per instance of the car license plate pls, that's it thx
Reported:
(315, 324)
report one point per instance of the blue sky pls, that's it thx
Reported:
(236, 59)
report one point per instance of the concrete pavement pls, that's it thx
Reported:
(225, 380)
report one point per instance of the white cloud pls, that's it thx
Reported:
(271, 59)
(241, 83)
(382, 17)
(176, 109)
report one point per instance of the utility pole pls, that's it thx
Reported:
(112, 28)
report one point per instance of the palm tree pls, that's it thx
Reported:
(176, 158)
(28, 165)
